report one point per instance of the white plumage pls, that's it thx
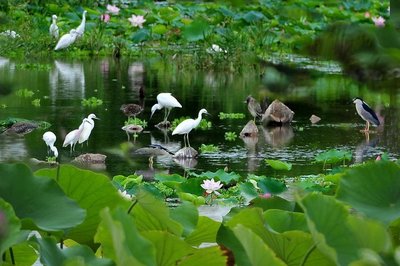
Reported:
(167, 101)
(187, 125)
(50, 138)
(54, 28)
(81, 28)
(66, 40)
(87, 128)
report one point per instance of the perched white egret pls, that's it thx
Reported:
(54, 28)
(87, 128)
(81, 28)
(187, 125)
(66, 40)
(167, 101)
(50, 138)
(73, 137)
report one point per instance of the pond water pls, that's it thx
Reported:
(62, 84)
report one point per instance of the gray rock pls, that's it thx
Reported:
(277, 112)
(187, 152)
(249, 130)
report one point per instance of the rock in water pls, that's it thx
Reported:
(187, 152)
(163, 125)
(277, 112)
(315, 119)
(249, 130)
(21, 128)
(90, 159)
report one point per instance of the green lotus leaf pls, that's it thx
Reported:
(196, 31)
(38, 201)
(253, 16)
(205, 232)
(279, 165)
(248, 191)
(170, 180)
(51, 254)
(221, 175)
(282, 221)
(274, 202)
(140, 35)
(269, 185)
(196, 200)
(187, 215)
(373, 189)
(121, 241)
(10, 228)
(159, 29)
(24, 254)
(192, 186)
(227, 238)
(92, 191)
(257, 251)
(333, 156)
(210, 256)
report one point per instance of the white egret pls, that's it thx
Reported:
(187, 125)
(73, 137)
(66, 40)
(50, 138)
(87, 128)
(167, 101)
(54, 28)
(81, 28)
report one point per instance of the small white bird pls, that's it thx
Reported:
(187, 125)
(81, 28)
(73, 137)
(54, 28)
(50, 138)
(87, 128)
(167, 101)
(66, 40)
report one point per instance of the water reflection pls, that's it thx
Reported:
(13, 148)
(278, 136)
(253, 162)
(67, 81)
(364, 148)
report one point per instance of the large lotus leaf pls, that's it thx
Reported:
(221, 175)
(373, 189)
(282, 221)
(52, 255)
(269, 185)
(196, 31)
(210, 256)
(327, 220)
(257, 251)
(273, 203)
(187, 215)
(290, 247)
(92, 191)
(151, 213)
(192, 186)
(24, 254)
(333, 156)
(229, 241)
(279, 165)
(205, 232)
(38, 200)
(121, 241)
(10, 225)
(170, 180)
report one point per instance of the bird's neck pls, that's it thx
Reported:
(198, 119)
(54, 21)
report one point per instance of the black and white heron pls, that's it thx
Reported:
(167, 101)
(366, 113)
(187, 125)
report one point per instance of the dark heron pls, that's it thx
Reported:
(254, 107)
(131, 109)
(366, 113)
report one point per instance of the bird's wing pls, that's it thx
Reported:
(371, 113)
(184, 127)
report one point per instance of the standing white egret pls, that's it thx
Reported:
(167, 101)
(54, 28)
(66, 40)
(81, 28)
(187, 125)
(50, 138)
(87, 128)
(73, 137)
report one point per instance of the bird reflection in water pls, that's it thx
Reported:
(251, 145)
(278, 136)
(364, 147)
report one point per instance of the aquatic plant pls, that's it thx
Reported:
(333, 156)
(136, 121)
(25, 93)
(36, 102)
(230, 136)
(208, 148)
(279, 165)
(223, 116)
(92, 102)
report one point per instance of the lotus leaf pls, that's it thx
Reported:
(279, 165)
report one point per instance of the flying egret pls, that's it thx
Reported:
(87, 128)
(81, 28)
(187, 125)
(366, 113)
(131, 109)
(72, 137)
(50, 138)
(167, 101)
(54, 28)
(66, 40)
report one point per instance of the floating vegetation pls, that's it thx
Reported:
(208, 148)
(3, 106)
(92, 102)
(204, 123)
(230, 136)
(136, 121)
(25, 93)
(36, 102)
(279, 165)
(223, 116)
(333, 156)
(33, 66)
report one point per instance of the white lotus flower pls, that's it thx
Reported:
(137, 21)
(113, 9)
(211, 186)
(215, 49)
(125, 194)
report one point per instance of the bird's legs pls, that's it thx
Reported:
(187, 136)
(367, 129)
(169, 111)
(165, 115)
(184, 140)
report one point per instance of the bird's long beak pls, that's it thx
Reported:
(208, 114)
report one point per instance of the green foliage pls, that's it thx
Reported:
(36, 102)
(208, 148)
(204, 124)
(136, 121)
(32, 66)
(219, 175)
(92, 102)
(230, 136)
(223, 116)
(333, 156)
(24, 93)
(279, 165)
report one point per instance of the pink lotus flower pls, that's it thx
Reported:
(211, 186)
(137, 21)
(378, 158)
(105, 18)
(367, 15)
(266, 195)
(113, 9)
(379, 21)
